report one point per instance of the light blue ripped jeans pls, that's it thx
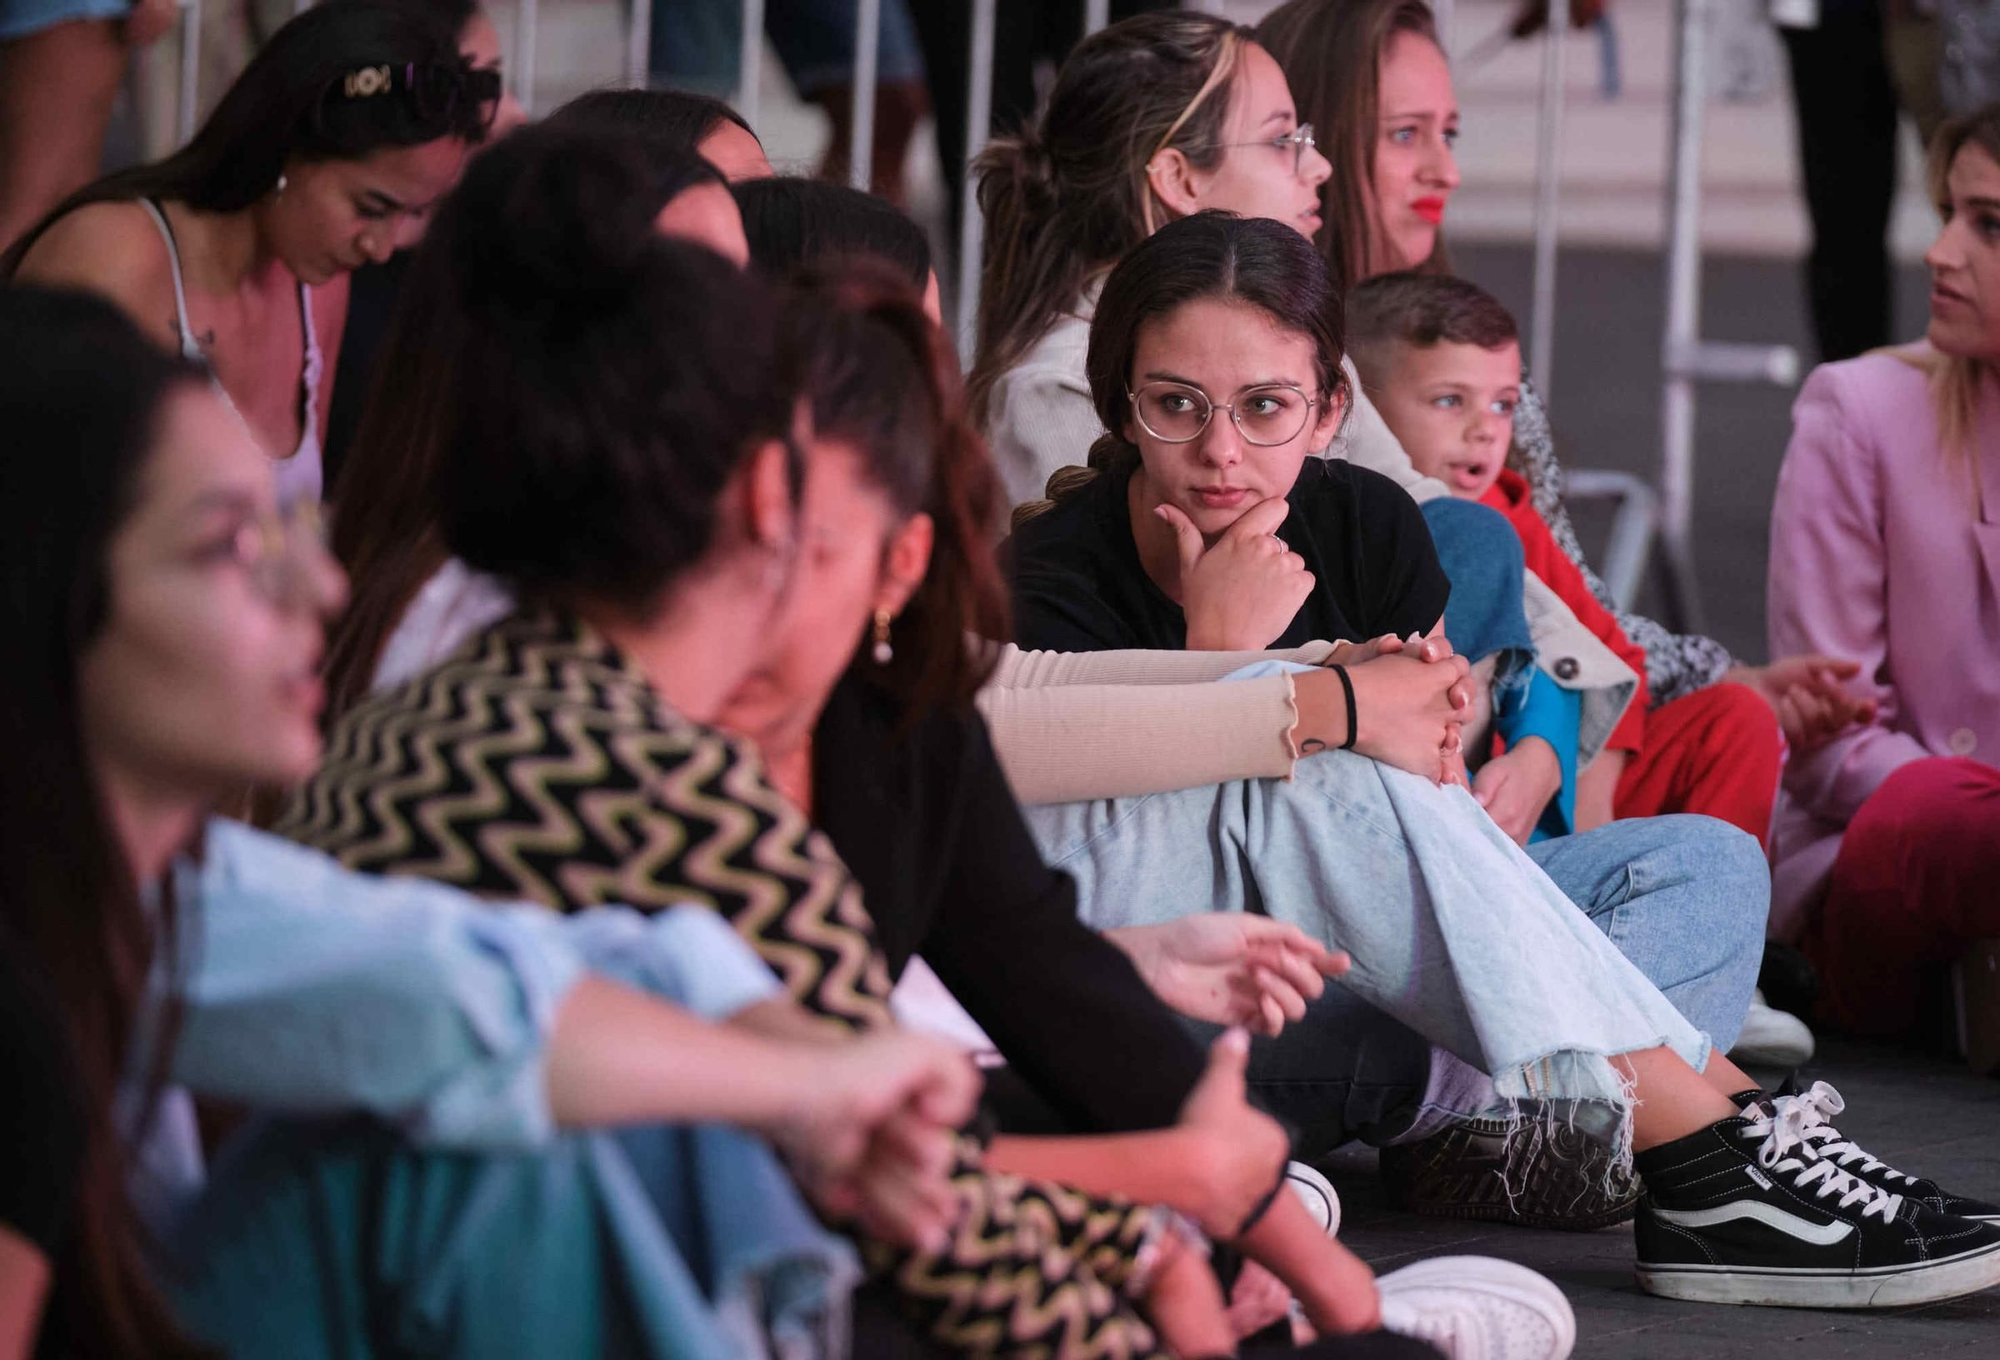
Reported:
(417, 1198)
(1456, 932)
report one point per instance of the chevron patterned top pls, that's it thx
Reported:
(538, 762)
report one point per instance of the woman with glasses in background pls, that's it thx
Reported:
(1066, 199)
(326, 153)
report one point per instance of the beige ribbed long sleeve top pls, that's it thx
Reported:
(1071, 726)
(1067, 726)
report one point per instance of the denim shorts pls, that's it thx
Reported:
(695, 43)
(21, 18)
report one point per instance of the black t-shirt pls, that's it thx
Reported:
(926, 822)
(1079, 585)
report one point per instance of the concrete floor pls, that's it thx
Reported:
(1922, 1114)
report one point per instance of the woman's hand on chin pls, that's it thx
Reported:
(1245, 591)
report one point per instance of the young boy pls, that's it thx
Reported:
(1441, 360)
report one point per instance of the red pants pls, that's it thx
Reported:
(1716, 752)
(1917, 881)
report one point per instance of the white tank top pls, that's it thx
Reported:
(299, 473)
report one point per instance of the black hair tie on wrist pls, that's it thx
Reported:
(1347, 688)
(1263, 1206)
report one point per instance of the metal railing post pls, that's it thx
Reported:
(1548, 186)
(521, 71)
(1685, 357)
(750, 61)
(861, 148)
(978, 126)
(189, 94)
(1683, 312)
(638, 42)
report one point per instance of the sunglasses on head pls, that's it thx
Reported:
(431, 91)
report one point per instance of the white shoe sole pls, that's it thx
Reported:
(1501, 1279)
(1316, 1192)
(1882, 1287)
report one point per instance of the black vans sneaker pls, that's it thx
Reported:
(1819, 1105)
(1746, 1212)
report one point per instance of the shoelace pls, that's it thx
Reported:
(1783, 1134)
(1820, 1104)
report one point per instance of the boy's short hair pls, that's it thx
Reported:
(1424, 310)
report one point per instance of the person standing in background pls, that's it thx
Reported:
(1853, 64)
(697, 47)
(1035, 31)
(61, 62)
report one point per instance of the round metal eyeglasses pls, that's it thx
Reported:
(282, 552)
(1178, 413)
(1294, 143)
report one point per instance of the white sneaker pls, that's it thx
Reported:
(1316, 1193)
(1771, 1038)
(1478, 1308)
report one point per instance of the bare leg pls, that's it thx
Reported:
(1726, 1077)
(1670, 1099)
(56, 89)
(898, 110)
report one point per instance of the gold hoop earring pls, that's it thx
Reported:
(884, 653)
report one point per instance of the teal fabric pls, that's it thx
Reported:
(419, 1201)
(20, 18)
(339, 1240)
(1554, 714)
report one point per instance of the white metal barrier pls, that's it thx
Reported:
(861, 142)
(750, 60)
(1548, 182)
(978, 121)
(1623, 564)
(187, 94)
(527, 46)
(1685, 357)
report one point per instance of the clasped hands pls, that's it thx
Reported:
(1411, 696)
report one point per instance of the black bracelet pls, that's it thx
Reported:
(1347, 687)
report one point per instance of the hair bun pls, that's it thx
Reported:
(1017, 174)
(579, 220)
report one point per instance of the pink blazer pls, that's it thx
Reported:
(1884, 554)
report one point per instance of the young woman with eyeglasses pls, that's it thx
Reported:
(1196, 526)
(327, 152)
(1154, 118)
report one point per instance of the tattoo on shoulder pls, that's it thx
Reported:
(1311, 746)
(205, 339)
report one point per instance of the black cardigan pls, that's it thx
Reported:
(926, 822)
